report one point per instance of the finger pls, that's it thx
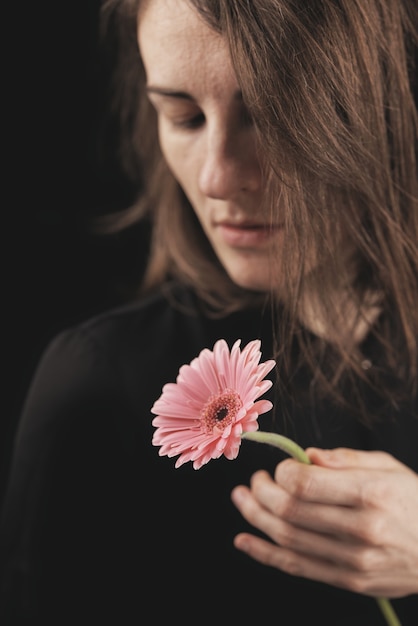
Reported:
(285, 505)
(297, 564)
(348, 457)
(381, 583)
(334, 533)
(341, 521)
(313, 483)
(349, 552)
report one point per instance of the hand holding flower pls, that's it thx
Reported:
(348, 519)
(342, 517)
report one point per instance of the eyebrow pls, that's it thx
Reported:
(181, 95)
(170, 93)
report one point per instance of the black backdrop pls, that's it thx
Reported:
(59, 170)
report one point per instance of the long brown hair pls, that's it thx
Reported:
(330, 86)
(178, 246)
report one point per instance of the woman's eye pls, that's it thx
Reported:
(189, 123)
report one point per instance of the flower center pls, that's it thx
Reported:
(220, 410)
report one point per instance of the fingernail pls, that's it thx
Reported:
(237, 495)
(241, 542)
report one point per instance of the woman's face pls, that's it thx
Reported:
(207, 137)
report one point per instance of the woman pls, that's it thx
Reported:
(273, 145)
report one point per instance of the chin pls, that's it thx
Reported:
(251, 281)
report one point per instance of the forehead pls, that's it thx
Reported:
(173, 37)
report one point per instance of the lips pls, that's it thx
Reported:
(246, 234)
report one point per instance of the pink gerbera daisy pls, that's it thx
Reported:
(213, 401)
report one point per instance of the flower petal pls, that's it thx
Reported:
(215, 398)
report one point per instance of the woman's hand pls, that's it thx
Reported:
(350, 520)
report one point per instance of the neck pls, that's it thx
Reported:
(341, 317)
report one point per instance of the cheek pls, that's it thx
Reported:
(175, 152)
(182, 160)
(168, 148)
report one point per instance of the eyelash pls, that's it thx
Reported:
(190, 123)
(195, 122)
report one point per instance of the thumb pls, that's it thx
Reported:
(351, 458)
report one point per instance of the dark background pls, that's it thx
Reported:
(60, 170)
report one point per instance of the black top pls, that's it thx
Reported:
(98, 528)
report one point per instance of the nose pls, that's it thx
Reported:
(230, 165)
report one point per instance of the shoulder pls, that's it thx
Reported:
(156, 313)
(109, 355)
(93, 389)
(121, 358)
(140, 324)
(144, 343)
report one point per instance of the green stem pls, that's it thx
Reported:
(298, 453)
(388, 612)
(285, 444)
